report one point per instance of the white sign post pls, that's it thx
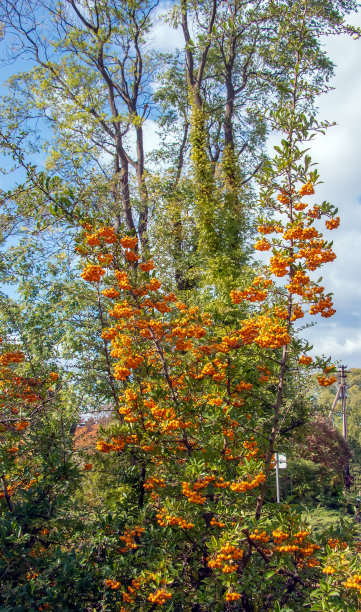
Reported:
(281, 464)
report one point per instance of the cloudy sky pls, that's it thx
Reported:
(338, 155)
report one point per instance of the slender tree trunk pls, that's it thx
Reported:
(143, 192)
(123, 166)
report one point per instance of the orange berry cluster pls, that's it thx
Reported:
(244, 485)
(123, 280)
(92, 239)
(131, 256)
(147, 266)
(300, 536)
(128, 242)
(243, 386)
(265, 371)
(232, 596)
(307, 189)
(301, 242)
(221, 483)
(165, 519)
(270, 229)
(323, 307)
(271, 334)
(336, 543)
(160, 597)
(92, 273)
(314, 213)
(316, 254)
(12, 449)
(106, 234)
(325, 381)
(104, 447)
(259, 536)
(227, 559)
(312, 562)
(301, 206)
(305, 360)
(262, 245)
(113, 584)
(328, 569)
(214, 401)
(21, 425)
(31, 575)
(105, 259)
(117, 444)
(192, 496)
(129, 538)
(279, 535)
(191, 491)
(353, 582)
(128, 596)
(279, 265)
(251, 294)
(216, 523)
(299, 281)
(297, 545)
(152, 483)
(300, 233)
(288, 548)
(110, 293)
(283, 198)
(252, 447)
(11, 357)
(333, 223)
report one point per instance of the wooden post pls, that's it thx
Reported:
(330, 414)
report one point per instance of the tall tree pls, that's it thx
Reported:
(91, 83)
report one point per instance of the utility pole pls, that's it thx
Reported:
(342, 395)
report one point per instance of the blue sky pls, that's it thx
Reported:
(338, 155)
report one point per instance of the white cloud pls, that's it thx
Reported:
(150, 135)
(162, 36)
(338, 343)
